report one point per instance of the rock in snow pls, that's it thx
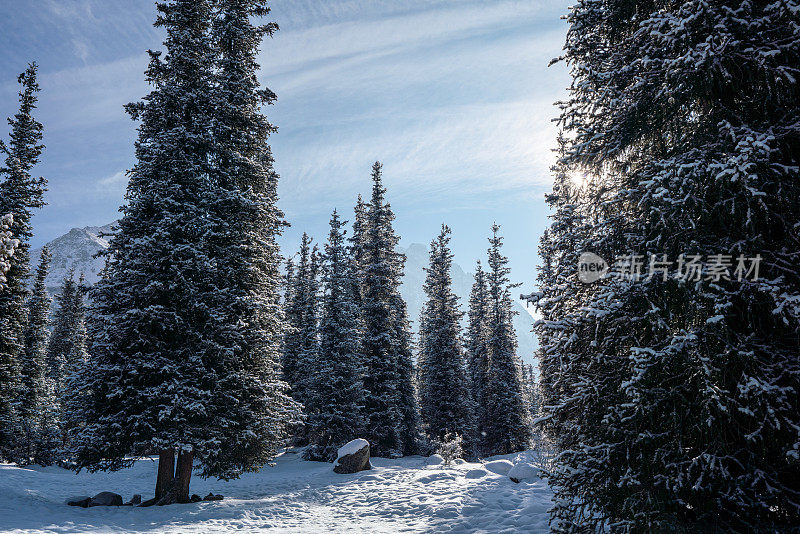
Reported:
(81, 500)
(106, 498)
(523, 471)
(500, 467)
(435, 459)
(353, 457)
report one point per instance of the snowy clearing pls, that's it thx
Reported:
(403, 495)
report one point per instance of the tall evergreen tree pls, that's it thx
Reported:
(64, 324)
(32, 399)
(508, 426)
(185, 324)
(445, 402)
(477, 355)
(247, 210)
(679, 395)
(356, 242)
(75, 376)
(301, 340)
(388, 381)
(20, 193)
(336, 396)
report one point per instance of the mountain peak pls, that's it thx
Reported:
(76, 250)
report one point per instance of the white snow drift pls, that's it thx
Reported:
(404, 494)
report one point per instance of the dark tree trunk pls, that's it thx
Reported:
(166, 472)
(182, 476)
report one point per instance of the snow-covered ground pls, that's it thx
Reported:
(403, 495)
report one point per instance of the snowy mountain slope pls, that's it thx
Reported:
(402, 495)
(77, 248)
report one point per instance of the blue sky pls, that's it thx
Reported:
(454, 97)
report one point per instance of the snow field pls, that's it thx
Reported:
(397, 495)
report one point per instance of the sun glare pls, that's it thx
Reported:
(578, 178)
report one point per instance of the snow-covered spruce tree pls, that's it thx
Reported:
(445, 403)
(30, 437)
(578, 382)
(687, 113)
(335, 400)
(476, 353)
(301, 340)
(75, 377)
(246, 237)
(508, 427)
(390, 400)
(356, 244)
(20, 192)
(407, 388)
(185, 324)
(64, 322)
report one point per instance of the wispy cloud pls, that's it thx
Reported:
(454, 96)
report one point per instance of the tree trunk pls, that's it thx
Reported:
(166, 472)
(182, 476)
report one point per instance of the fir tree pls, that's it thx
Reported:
(31, 435)
(249, 223)
(20, 193)
(390, 398)
(64, 324)
(301, 342)
(675, 400)
(356, 242)
(508, 426)
(336, 395)
(185, 325)
(445, 403)
(75, 376)
(477, 355)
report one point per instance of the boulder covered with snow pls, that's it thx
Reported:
(106, 498)
(499, 467)
(353, 457)
(435, 459)
(523, 471)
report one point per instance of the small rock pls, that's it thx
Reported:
(523, 471)
(353, 457)
(476, 473)
(435, 459)
(500, 467)
(136, 499)
(459, 461)
(195, 498)
(212, 497)
(106, 498)
(82, 501)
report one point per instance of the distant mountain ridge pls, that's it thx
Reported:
(77, 249)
